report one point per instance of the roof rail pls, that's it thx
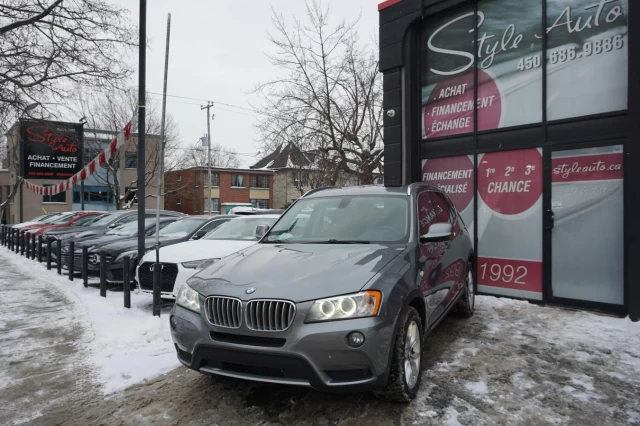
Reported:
(317, 190)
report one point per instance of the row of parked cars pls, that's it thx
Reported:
(116, 234)
(337, 293)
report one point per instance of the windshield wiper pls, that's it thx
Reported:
(334, 241)
(277, 242)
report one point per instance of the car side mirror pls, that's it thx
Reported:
(260, 231)
(438, 232)
(201, 233)
(113, 225)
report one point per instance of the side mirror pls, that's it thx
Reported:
(113, 225)
(438, 232)
(201, 233)
(260, 231)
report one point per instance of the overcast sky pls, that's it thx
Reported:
(218, 53)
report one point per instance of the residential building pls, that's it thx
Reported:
(102, 190)
(188, 190)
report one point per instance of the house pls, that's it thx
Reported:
(297, 172)
(188, 190)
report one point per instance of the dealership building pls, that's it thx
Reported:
(50, 152)
(524, 112)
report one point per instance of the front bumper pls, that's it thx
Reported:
(315, 355)
(114, 269)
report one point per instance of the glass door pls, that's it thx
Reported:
(587, 225)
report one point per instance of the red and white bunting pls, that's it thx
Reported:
(89, 169)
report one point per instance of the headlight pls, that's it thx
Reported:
(188, 298)
(366, 304)
(199, 264)
(132, 254)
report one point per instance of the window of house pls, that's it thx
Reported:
(215, 179)
(58, 198)
(179, 178)
(196, 205)
(197, 178)
(178, 202)
(237, 181)
(215, 205)
(259, 181)
(260, 204)
(130, 160)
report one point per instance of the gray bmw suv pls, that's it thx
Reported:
(338, 295)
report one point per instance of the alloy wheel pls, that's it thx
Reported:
(412, 350)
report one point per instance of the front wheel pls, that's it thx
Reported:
(406, 365)
(465, 306)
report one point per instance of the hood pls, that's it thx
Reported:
(99, 241)
(198, 250)
(297, 272)
(128, 244)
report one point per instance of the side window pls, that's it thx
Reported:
(443, 210)
(426, 213)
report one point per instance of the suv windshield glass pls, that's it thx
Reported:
(242, 228)
(106, 220)
(181, 228)
(347, 219)
(129, 229)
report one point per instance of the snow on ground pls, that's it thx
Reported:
(127, 346)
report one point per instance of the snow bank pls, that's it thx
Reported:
(127, 346)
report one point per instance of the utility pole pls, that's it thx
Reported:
(142, 128)
(208, 107)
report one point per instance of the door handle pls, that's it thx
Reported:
(550, 220)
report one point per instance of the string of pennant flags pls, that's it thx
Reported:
(99, 161)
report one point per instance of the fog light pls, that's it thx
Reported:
(355, 339)
(172, 322)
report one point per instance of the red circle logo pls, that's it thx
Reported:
(449, 110)
(510, 182)
(454, 175)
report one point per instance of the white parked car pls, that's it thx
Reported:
(181, 261)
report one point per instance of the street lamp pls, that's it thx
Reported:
(31, 107)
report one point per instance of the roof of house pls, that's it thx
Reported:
(286, 156)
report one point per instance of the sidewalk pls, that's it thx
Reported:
(42, 367)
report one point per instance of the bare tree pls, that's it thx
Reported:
(111, 112)
(196, 156)
(50, 47)
(329, 95)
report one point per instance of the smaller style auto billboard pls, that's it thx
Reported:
(50, 149)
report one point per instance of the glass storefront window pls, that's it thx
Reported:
(587, 57)
(587, 63)
(510, 223)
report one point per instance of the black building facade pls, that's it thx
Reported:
(525, 113)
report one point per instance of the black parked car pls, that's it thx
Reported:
(117, 245)
(99, 227)
(127, 232)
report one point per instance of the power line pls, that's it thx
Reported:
(208, 100)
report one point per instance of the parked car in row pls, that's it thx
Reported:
(115, 243)
(35, 220)
(181, 261)
(339, 294)
(73, 219)
(100, 227)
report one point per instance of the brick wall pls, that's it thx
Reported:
(190, 195)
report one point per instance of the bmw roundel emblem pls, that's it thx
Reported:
(250, 290)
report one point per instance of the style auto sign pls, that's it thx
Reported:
(51, 150)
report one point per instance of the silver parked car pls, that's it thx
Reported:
(338, 295)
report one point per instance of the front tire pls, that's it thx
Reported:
(466, 305)
(406, 366)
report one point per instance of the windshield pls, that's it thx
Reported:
(104, 221)
(130, 229)
(86, 220)
(181, 228)
(242, 228)
(349, 219)
(64, 218)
